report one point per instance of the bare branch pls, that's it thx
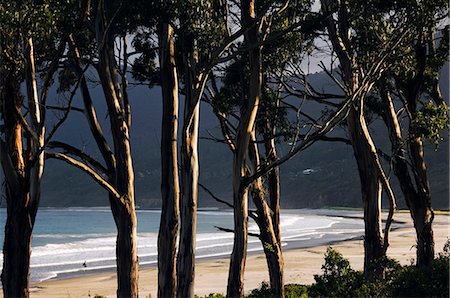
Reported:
(69, 149)
(232, 231)
(214, 196)
(88, 170)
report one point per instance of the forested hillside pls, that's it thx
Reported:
(333, 180)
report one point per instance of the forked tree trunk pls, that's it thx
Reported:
(418, 202)
(122, 175)
(170, 189)
(365, 154)
(189, 178)
(235, 287)
(272, 248)
(369, 167)
(23, 174)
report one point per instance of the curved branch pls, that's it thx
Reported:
(69, 149)
(88, 170)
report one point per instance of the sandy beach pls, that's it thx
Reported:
(211, 275)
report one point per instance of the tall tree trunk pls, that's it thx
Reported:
(23, 175)
(272, 249)
(18, 227)
(418, 202)
(273, 179)
(235, 287)
(170, 189)
(365, 155)
(422, 212)
(369, 166)
(189, 176)
(123, 176)
(16, 251)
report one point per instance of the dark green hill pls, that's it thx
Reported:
(333, 180)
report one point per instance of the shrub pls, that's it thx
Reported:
(338, 278)
(295, 291)
(290, 291)
(263, 291)
(432, 281)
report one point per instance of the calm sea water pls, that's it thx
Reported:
(65, 238)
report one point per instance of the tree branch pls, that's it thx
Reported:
(232, 231)
(88, 170)
(69, 149)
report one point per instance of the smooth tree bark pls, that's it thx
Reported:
(194, 86)
(418, 202)
(116, 176)
(266, 215)
(22, 162)
(235, 287)
(273, 177)
(21, 210)
(122, 178)
(170, 189)
(264, 219)
(371, 174)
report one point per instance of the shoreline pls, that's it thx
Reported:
(212, 273)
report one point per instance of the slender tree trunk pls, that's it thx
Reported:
(170, 189)
(365, 154)
(273, 180)
(419, 202)
(126, 250)
(423, 213)
(235, 286)
(272, 249)
(122, 176)
(189, 176)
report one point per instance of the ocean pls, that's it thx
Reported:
(65, 239)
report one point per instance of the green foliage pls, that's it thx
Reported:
(432, 281)
(430, 120)
(290, 291)
(338, 278)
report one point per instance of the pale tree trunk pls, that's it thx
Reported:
(272, 249)
(418, 202)
(369, 167)
(123, 177)
(189, 176)
(235, 287)
(23, 178)
(423, 213)
(170, 189)
(365, 152)
(273, 179)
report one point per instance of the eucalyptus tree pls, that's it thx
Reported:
(200, 36)
(104, 25)
(415, 83)
(228, 100)
(360, 39)
(31, 46)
